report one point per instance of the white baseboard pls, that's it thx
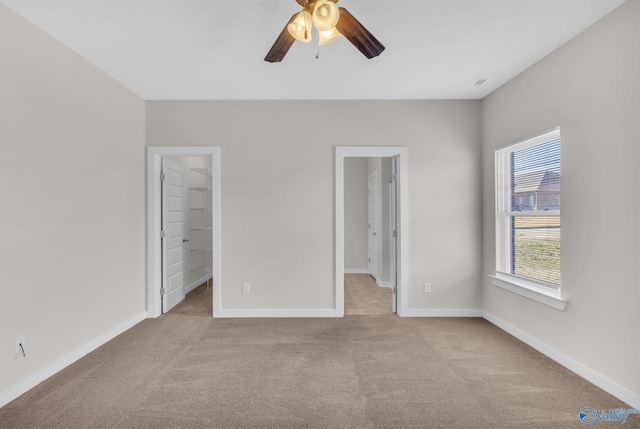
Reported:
(599, 380)
(382, 283)
(41, 375)
(356, 270)
(276, 313)
(443, 313)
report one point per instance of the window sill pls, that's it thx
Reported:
(529, 290)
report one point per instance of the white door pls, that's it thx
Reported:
(373, 224)
(172, 234)
(393, 231)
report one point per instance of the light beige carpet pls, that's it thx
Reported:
(187, 370)
(198, 302)
(362, 295)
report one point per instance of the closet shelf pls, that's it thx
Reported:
(205, 171)
(200, 250)
(200, 268)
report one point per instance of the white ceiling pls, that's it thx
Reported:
(214, 49)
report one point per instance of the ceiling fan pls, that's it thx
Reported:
(331, 22)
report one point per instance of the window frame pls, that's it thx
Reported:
(546, 293)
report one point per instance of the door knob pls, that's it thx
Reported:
(184, 240)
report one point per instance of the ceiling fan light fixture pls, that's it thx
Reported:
(328, 36)
(325, 15)
(300, 28)
(331, 22)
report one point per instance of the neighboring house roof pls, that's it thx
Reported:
(537, 181)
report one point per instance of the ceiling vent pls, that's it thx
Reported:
(477, 84)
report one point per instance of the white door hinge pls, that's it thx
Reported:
(162, 291)
(162, 176)
(162, 234)
(395, 234)
(395, 290)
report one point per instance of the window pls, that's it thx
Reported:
(528, 246)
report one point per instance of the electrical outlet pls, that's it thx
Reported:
(19, 349)
(427, 288)
(246, 287)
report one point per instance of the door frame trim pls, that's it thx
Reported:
(342, 152)
(154, 245)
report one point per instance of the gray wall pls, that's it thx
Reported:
(591, 89)
(355, 214)
(278, 192)
(73, 219)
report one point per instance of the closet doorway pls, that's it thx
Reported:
(183, 234)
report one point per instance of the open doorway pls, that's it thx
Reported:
(183, 235)
(371, 229)
(368, 279)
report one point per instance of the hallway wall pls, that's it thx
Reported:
(355, 214)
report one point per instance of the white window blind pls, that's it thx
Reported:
(528, 241)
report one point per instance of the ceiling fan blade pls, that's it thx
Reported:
(305, 3)
(359, 36)
(281, 45)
